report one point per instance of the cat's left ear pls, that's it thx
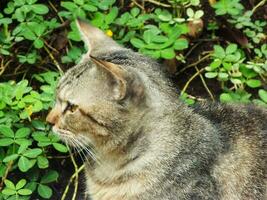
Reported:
(95, 39)
(128, 84)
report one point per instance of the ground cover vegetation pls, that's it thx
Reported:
(212, 49)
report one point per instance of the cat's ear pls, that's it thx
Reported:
(95, 39)
(128, 84)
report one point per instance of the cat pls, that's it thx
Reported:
(144, 143)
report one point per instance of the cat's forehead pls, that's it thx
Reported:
(82, 83)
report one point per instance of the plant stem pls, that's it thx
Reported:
(194, 64)
(205, 85)
(9, 166)
(191, 79)
(70, 181)
(158, 3)
(53, 59)
(261, 3)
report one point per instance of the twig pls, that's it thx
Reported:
(50, 47)
(194, 64)
(9, 166)
(191, 79)
(60, 18)
(4, 66)
(53, 59)
(57, 157)
(261, 3)
(205, 85)
(190, 50)
(56, 11)
(70, 181)
(158, 3)
(195, 98)
(139, 5)
(76, 177)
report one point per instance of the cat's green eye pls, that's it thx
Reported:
(70, 107)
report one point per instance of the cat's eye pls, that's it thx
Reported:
(70, 107)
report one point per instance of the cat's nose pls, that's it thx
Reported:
(53, 116)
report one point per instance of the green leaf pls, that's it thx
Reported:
(135, 11)
(148, 36)
(168, 53)
(195, 2)
(22, 132)
(112, 15)
(39, 125)
(180, 44)
(37, 106)
(42, 162)
(9, 184)
(60, 147)
(32, 185)
(190, 12)
(21, 184)
(89, 8)
(215, 64)
(79, 12)
(223, 76)
(8, 191)
(79, 2)
(40, 9)
(32, 153)
(38, 43)
(51, 176)
(231, 48)
(137, 43)
(31, 1)
(23, 141)
(6, 142)
(227, 66)
(253, 83)
(11, 157)
(236, 81)
(23, 147)
(6, 131)
(39, 29)
(263, 95)
(24, 192)
(163, 15)
(198, 14)
(211, 74)
(225, 97)
(218, 51)
(44, 191)
(151, 53)
(24, 164)
(69, 5)
(231, 58)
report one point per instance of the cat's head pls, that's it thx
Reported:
(98, 101)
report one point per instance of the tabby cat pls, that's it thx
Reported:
(145, 144)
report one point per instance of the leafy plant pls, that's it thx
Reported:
(231, 7)
(229, 65)
(25, 143)
(161, 43)
(15, 191)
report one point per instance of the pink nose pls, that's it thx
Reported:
(53, 116)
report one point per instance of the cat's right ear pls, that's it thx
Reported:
(95, 39)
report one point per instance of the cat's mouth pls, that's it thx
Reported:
(62, 132)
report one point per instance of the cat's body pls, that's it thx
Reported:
(147, 144)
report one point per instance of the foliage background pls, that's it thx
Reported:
(212, 49)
